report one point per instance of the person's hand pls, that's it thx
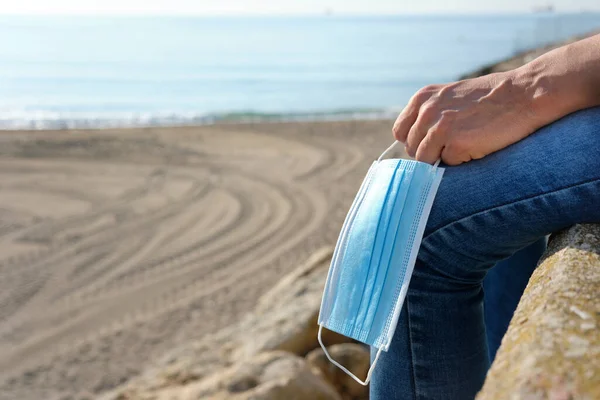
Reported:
(468, 120)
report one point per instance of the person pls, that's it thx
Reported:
(522, 157)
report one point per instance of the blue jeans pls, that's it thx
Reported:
(502, 289)
(486, 211)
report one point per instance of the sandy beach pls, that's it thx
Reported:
(118, 245)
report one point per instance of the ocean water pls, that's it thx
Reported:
(66, 72)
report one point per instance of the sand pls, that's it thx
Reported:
(118, 245)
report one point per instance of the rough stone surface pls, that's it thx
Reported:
(552, 347)
(353, 356)
(269, 376)
(285, 319)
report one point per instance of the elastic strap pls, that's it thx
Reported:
(389, 149)
(366, 381)
(385, 153)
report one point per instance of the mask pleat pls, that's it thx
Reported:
(330, 296)
(370, 270)
(387, 247)
(389, 290)
(363, 230)
(376, 277)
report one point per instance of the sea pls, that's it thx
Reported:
(64, 72)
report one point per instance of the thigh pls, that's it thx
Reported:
(488, 209)
(484, 211)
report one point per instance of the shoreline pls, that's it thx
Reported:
(119, 245)
(318, 117)
(251, 118)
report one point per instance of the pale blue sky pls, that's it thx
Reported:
(210, 7)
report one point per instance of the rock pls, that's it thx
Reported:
(285, 318)
(353, 356)
(269, 376)
(552, 347)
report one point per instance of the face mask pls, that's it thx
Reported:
(376, 251)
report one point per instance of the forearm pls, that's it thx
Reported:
(564, 80)
(469, 119)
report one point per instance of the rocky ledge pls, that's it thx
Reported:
(552, 347)
(271, 354)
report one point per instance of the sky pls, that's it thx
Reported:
(219, 7)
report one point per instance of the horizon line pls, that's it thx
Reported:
(324, 14)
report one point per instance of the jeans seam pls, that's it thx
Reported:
(540, 195)
(410, 345)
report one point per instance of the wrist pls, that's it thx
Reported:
(555, 89)
(532, 94)
(545, 97)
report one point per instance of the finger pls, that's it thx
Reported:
(405, 120)
(452, 156)
(419, 130)
(430, 148)
(409, 114)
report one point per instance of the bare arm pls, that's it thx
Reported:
(565, 80)
(470, 119)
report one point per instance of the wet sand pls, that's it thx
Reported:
(117, 245)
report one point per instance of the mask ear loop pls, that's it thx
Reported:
(366, 381)
(389, 149)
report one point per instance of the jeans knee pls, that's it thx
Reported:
(463, 251)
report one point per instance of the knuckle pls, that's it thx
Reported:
(424, 93)
(450, 157)
(441, 128)
(448, 116)
(446, 90)
(428, 111)
(457, 146)
(421, 93)
(429, 88)
(436, 133)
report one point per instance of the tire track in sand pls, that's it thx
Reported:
(192, 227)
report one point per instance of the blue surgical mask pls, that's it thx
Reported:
(376, 252)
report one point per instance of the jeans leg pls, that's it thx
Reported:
(502, 289)
(485, 211)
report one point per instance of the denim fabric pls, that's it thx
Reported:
(502, 289)
(485, 211)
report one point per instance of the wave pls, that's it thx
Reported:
(46, 120)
